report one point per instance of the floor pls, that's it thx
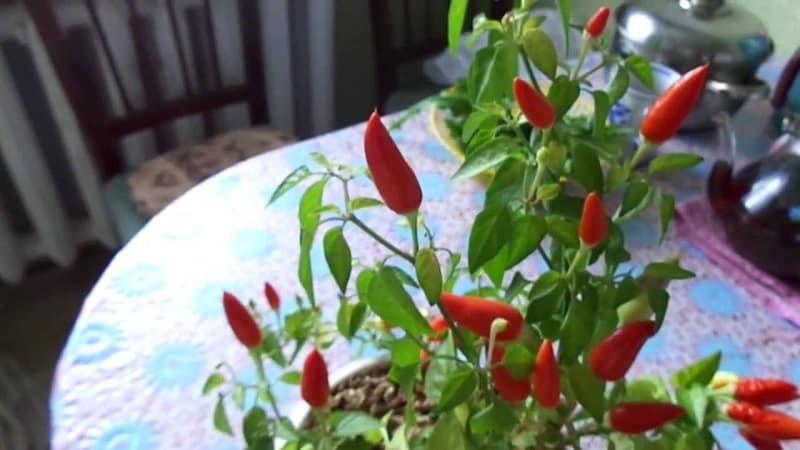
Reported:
(36, 317)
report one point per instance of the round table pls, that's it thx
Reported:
(153, 327)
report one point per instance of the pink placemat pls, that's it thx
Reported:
(696, 222)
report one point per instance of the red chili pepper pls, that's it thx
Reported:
(314, 387)
(272, 296)
(611, 358)
(666, 114)
(535, 106)
(760, 443)
(396, 182)
(513, 389)
(765, 391)
(639, 417)
(242, 323)
(477, 314)
(764, 422)
(439, 326)
(594, 225)
(546, 383)
(597, 23)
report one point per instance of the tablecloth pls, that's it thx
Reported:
(152, 328)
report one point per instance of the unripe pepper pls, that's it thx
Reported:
(760, 443)
(611, 358)
(512, 389)
(639, 417)
(593, 226)
(393, 177)
(546, 383)
(635, 310)
(477, 314)
(273, 299)
(597, 23)
(314, 385)
(763, 422)
(666, 114)
(534, 106)
(765, 391)
(243, 324)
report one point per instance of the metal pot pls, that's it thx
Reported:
(683, 34)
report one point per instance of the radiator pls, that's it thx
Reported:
(50, 194)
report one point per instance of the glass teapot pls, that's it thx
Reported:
(759, 205)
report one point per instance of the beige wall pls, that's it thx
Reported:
(781, 17)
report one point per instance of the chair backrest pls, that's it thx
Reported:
(408, 31)
(86, 55)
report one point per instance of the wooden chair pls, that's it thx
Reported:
(87, 60)
(405, 33)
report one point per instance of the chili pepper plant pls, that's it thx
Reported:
(522, 361)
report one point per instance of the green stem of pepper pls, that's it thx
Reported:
(529, 69)
(585, 45)
(263, 383)
(379, 239)
(414, 225)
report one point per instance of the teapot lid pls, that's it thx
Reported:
(685, 33)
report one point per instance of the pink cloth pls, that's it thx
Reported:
(696, 222)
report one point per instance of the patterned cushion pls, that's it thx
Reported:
(159, 181)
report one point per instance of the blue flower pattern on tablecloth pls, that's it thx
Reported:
(434, 186)
(207, 300)
(734, 359)
(140, 280)
(793, 371)
(640, 233)
(127, 436)
(654, 347)
(252, 244)
(437, 151)
(93, 343)
(227, 183)
(175, 365)
(717, 297)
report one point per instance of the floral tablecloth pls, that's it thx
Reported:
(153, 327)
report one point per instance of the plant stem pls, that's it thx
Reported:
(414, 225)
(263, 383)
(641, 152)
(529, 69)
(537, 179)
(587, 42)
(580, 257)
(545, 257)
(590, 72)
(379, 239)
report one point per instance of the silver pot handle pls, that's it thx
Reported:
(757, 89)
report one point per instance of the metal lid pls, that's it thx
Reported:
(685, 33)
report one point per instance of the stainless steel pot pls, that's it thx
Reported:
(683, 34)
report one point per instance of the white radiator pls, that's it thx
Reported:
(48, 230)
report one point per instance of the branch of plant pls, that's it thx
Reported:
(413, 224)
(529, 68)
(352, 218)
(585, 45)
(591, 72)
(263, 383)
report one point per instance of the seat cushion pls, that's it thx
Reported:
(161, 180)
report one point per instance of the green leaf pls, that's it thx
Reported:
(299, 324)
(492, 72)
(506, 186)
(589, 390)
(481, 24)
(586, 169)
(646, 389)
(565, 10)
(695, 401)
(618, 86)
(540, 49)
(350, 318)
(447, 434)
(362, 284)
(667, 271)
(516, 287)
(347, 424)
(527, 233)
(701, 372)
(214, 381)
(563, 230)
(487, 156)
(294, 178)
(271, 346)
(478, 120)
(310, 203)
(458, 388)
(641, 69)
(518, 359)
(338, 256)
(495, 268)
(674, 161)
(387, 298)
(546, 294)
(548, 191)
(498, 417)
(405, 352)
(404, 277)
(637, 198)
(455, 22)
(659, 300)
(442, 364)
(602, 105)
(562, 94)
(692, 441)
(429, 274)
(256, 430)
(490, 232)
(221, 422)
(666, 206)
(291, 377)
(578, 328)
(309, 221)
(363, 202)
